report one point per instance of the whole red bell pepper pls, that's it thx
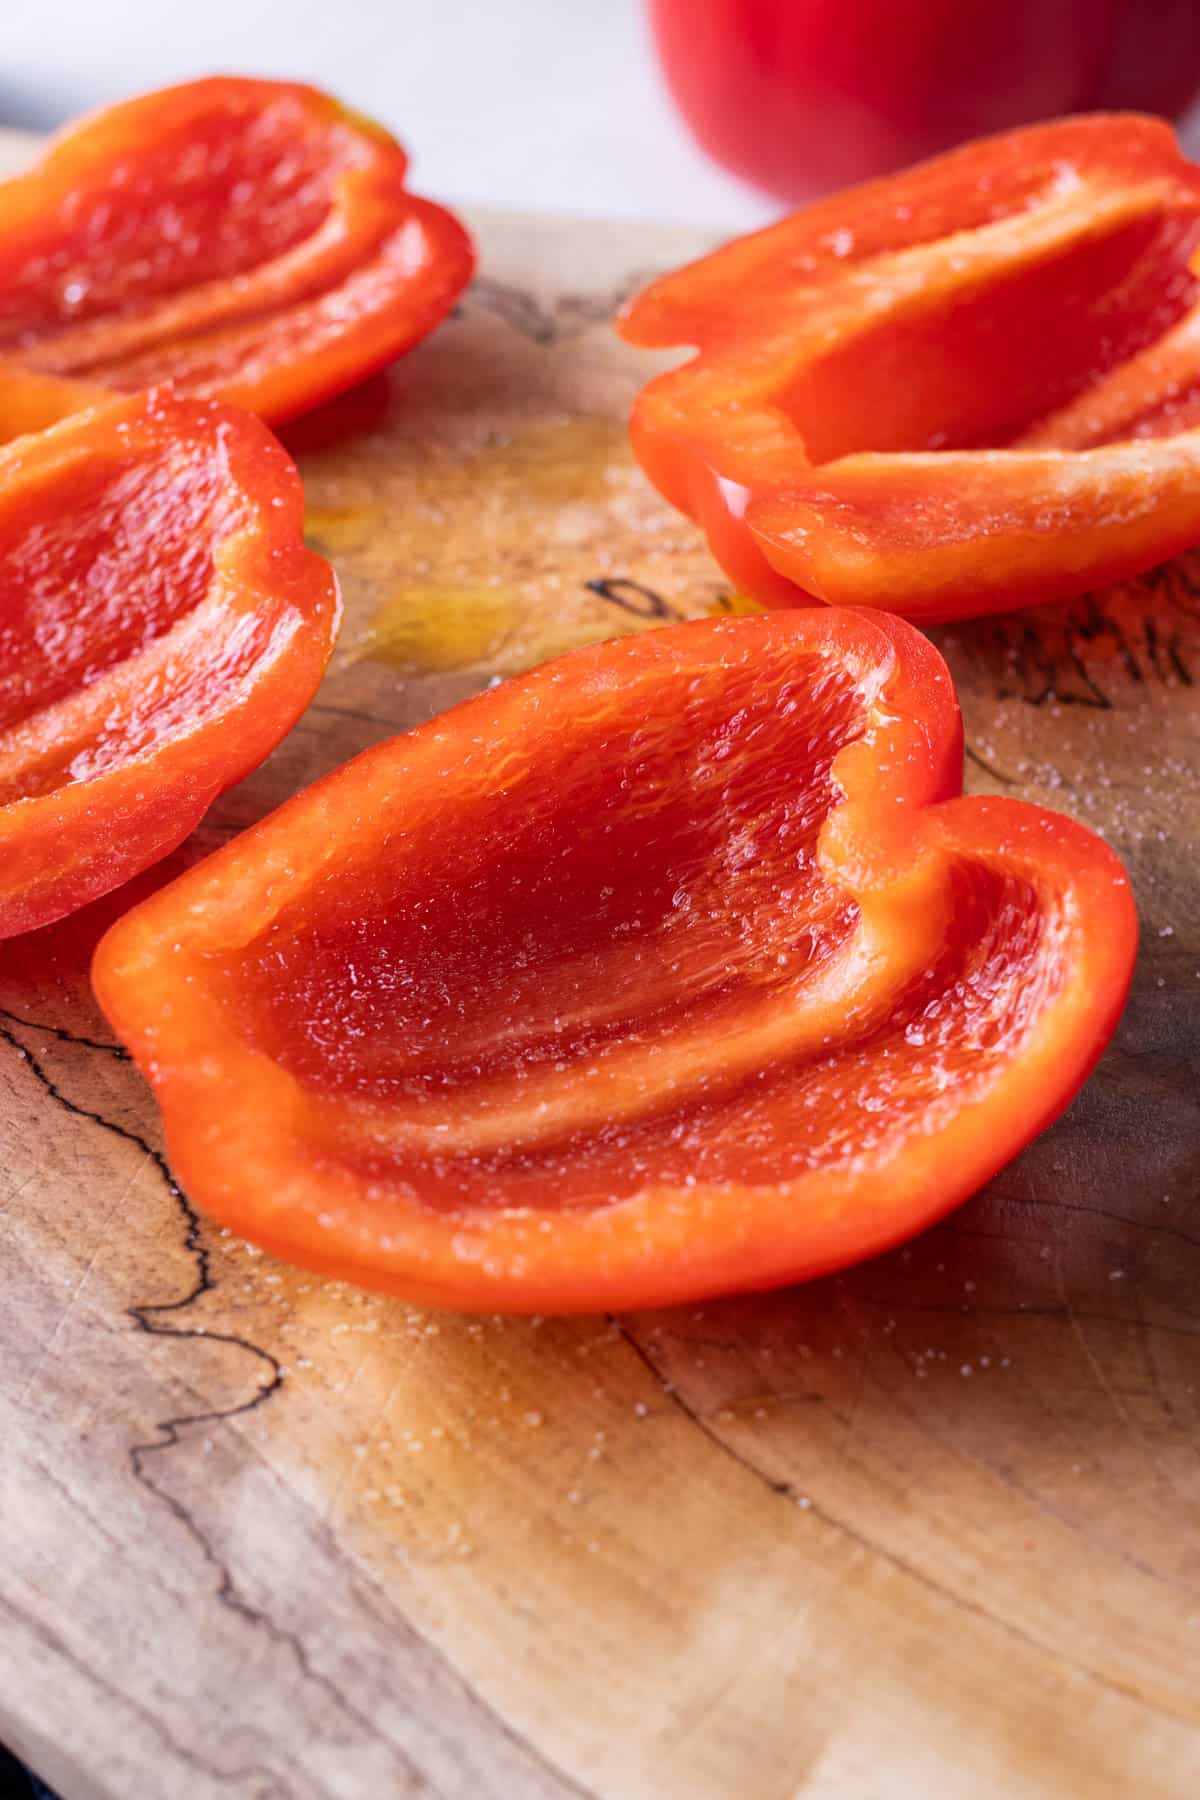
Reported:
(674, 967)
(252, 241)
(969, 387)
(802, 96)
(161, 628)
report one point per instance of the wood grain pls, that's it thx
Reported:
(929, 1527)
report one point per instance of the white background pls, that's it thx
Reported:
(551, 105)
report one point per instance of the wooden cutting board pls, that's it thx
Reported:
(929, 1527)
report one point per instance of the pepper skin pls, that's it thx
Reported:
(161, 628)
(966, 388)
(248, 241)
(674, 967)
(803, 96)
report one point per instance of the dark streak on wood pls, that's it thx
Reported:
(171, 1429)
(1163, 1227)
(565, 317)
(1148, 623)
(784, 1490)
(145, 1315)
(632, 597)
(981, 762)
(357, 715)
(516, 307)
(66, 1037)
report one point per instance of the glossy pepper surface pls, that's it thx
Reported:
(969, 387)
(801, 96)
(250, 241)
(161, 628)
(674, 967)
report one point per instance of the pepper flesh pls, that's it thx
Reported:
(672, 968)
(972, 386)
(161, 628)
(250, 241)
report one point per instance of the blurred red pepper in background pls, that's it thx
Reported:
(804, 96)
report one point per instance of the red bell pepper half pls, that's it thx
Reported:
(251, 241)
(674, 967)
(161, 628)
(972, 386)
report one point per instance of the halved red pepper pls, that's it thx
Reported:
(251, 241)
(972, 386)
(673, 967)
(161, 628)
